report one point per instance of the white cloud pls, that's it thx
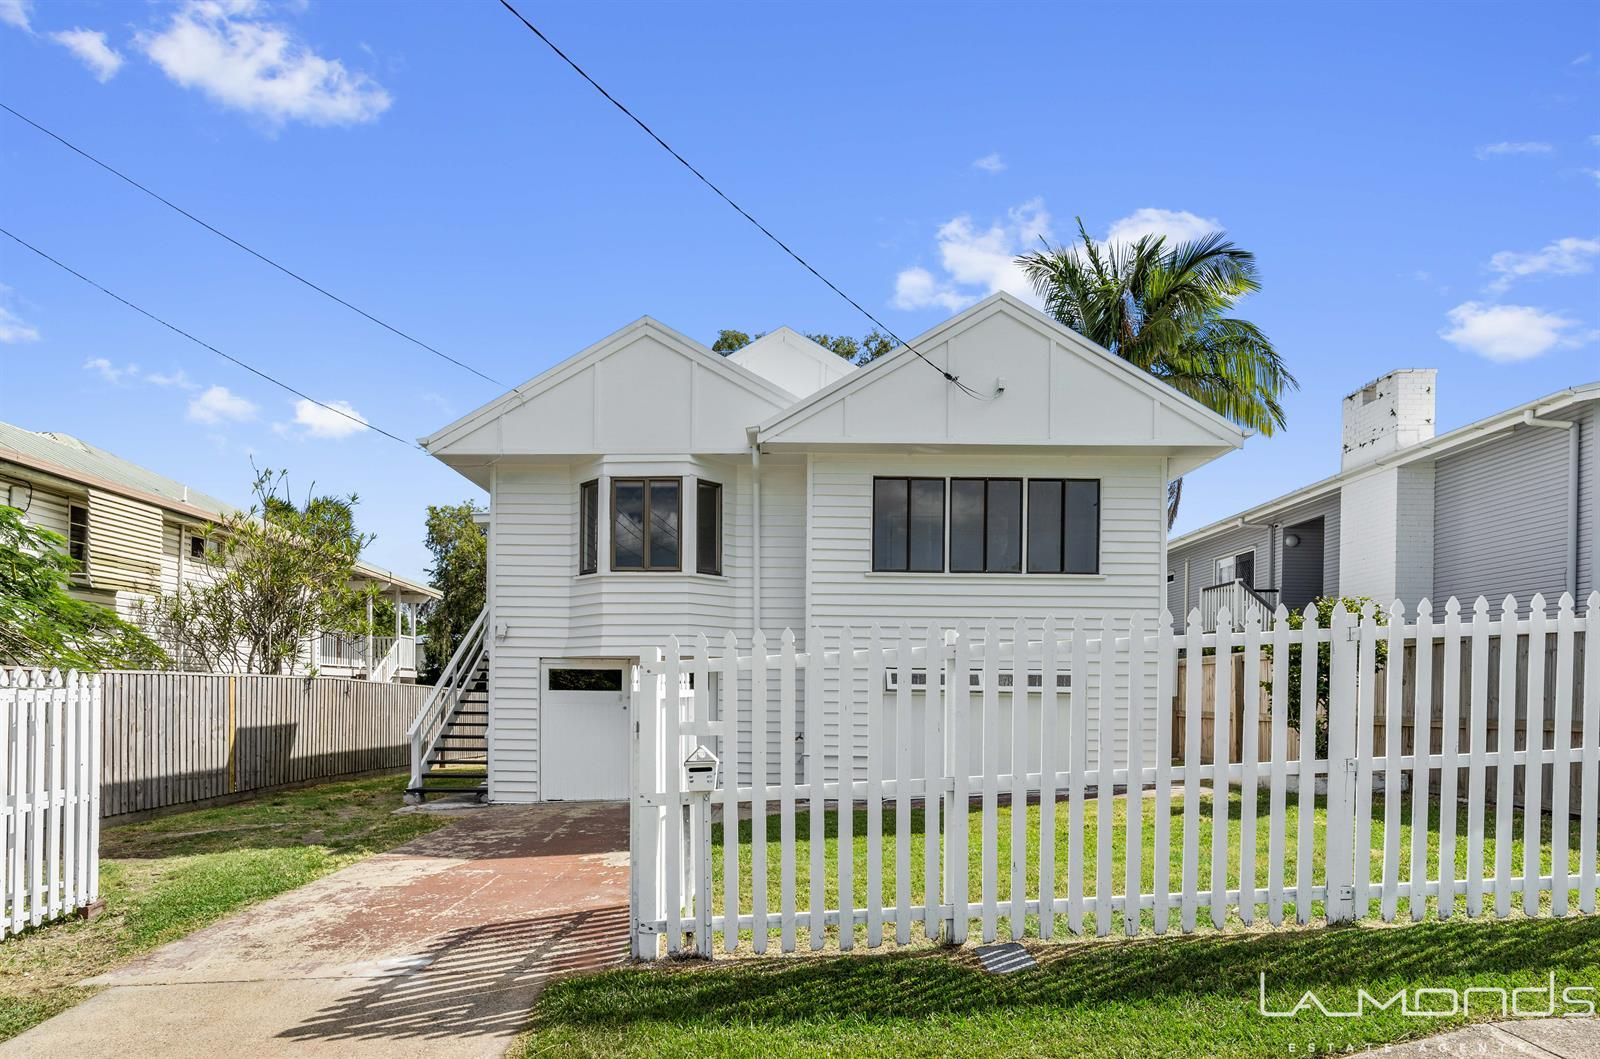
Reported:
(320, 422)
(1178, 226)
(15, 329)
(15, 13)
(92, 50)
(1495, 150)
(177, 378)
(238, 59)
(977, 261)
(1507, 333)
(110, 372)
(1564, 257)
(991, 163)
(218, 404)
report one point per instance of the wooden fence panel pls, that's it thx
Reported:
(179, 738)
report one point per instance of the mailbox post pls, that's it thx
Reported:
(699, 780)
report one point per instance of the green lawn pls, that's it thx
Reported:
(1179, 995)
(168, 877)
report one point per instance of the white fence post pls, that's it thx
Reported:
(1341, 855)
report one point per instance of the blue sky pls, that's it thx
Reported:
(1421, 184)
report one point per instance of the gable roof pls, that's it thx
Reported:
(1431, 449)
(789, 359)
(1200, 426)
(545, 381)
(71, 459)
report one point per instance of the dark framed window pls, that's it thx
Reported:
(78, 533)
(197, 546)
(1063, 526)
(986, 525)
(585, 680)
(908, 525)
(646, 523)
(589, 526)
(708, 527)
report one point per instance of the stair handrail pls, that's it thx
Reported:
(445, 696)
(385, 670)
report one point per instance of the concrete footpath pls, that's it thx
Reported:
(437, 948)
(1518, 1039)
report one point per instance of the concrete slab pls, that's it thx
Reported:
(437, 948)
(1519, 1039)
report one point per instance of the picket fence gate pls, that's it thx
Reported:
(848, 684)
(50, 745)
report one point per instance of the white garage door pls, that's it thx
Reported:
(584, 730)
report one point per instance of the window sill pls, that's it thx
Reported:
(649, 575)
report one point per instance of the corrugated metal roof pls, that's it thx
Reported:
(76, 456)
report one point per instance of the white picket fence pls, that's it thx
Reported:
(50, 744)
(848, 692)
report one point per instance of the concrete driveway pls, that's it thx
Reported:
(437, 948)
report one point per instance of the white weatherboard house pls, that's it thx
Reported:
(647, 487)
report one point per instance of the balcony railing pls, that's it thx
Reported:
(1238, 599)
(391, 656)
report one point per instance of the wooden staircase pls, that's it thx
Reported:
(449, 738)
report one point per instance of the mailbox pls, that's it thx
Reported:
(700, 771)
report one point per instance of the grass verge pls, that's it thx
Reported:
(165, 878)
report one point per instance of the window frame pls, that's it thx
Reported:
(588, 545)
(1233, 557)
(1099, 488)
(645, 483)
(700, 565)
(78, 537)
(944, 525)
(1022, 520)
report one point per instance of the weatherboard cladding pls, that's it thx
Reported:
(1500, 518)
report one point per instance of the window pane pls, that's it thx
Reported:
(589, 516)
(927, 524)
(627, 530)
(663, 524)
(1083, 527)
(1244, 568)
(585, 680)
(1044, 527)
(708, 526)
(889, 524)
(966, 525)
(1004, 521)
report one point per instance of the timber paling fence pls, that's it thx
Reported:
(177, 738)
(156, 740)
(926, 721)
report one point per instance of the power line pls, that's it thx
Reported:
(963, 387)
(249, 250)
(206, 345)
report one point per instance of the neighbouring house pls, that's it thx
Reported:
(1508, 505)
(138, 534)
(647, 487)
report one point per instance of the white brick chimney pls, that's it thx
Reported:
(1389, 413)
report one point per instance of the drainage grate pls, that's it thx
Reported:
(1005, 958)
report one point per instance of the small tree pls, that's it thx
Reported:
(459, 572)
(281, 573)
(42, 625)
(1297, 620)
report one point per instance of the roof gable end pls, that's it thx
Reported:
(1039, 384)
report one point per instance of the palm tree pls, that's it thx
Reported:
(1165, 311)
